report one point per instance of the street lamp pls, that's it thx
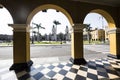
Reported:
(102, 33)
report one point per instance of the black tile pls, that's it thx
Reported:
(98, 60)
(92, 62)
(63, 72)
(104, 74)
(111, 71)
(73, 70)
(65, 78)
(92, 76)
(51, 73)
(92, 66)
(68, 64)
(101, 69)
(78, 77)
(98, 65)
(83, 68)
(60, 66)
(24, 77)
(106, 64)
(38, 76)
(40, 68)
(51, 67)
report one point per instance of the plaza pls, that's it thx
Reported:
(78, 66)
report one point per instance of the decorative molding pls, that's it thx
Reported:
(20, 27)
(113, 30)
(21, 66)
(78, 27)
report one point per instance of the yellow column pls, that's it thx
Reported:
(21, 47)
(77, 44)
(114, 37)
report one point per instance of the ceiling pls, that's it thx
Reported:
(103, 2)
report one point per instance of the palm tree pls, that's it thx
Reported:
(88, 29)
(56, 23)
(38, 26)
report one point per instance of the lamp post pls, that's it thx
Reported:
(102, 33)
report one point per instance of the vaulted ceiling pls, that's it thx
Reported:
(103, 2)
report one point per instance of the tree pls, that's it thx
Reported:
(56, 23)
(88, 30)
(61, 37)
(38, 26)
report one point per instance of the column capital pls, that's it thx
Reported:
(113, 30)
(78, 27)
(20, 27)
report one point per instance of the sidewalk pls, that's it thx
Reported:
(36, 61)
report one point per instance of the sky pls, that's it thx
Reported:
(46, 20)
(5, 19)
(96, 21)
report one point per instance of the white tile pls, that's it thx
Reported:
(100, 63)
(45, 71)
(76, 66)
(112, 76)
(55, 64)
(56, 69)
(58, 77)
(92, 71)
(66, 68)
(82, 73)
(71, 75)
(88, 79)
(46, 65)
(116, 66)
(31, 78)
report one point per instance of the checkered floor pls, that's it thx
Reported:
(100, 69)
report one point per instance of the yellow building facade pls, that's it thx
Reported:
(98, 35)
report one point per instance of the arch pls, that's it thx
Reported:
(49, 6)
(106, 15)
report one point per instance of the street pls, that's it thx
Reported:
(91, 51)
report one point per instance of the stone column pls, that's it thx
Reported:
(114, 35)
(21, 47)
(77, 54)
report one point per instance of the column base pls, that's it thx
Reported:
(21, 66)
(78, 61)
(114, 56)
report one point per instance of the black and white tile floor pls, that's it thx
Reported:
(100, 69)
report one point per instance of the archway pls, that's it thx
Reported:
(48, 8)
(107, 16)
(101, 35)
(6, 38)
